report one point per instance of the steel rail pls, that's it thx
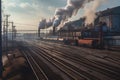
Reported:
(34, 66)
(102, 67)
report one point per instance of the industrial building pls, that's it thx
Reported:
(74, 30)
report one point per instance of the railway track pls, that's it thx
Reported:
(112, 57)
(71, 73)
(40, 75)
(108, 70)
(74, 67)
(66, 67)
(50, 75)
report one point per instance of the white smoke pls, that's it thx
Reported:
(63, 14)
(90, 11)
(72, 7)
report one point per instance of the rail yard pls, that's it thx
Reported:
(60, 40)
(54, 61)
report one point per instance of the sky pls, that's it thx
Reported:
(31, 11)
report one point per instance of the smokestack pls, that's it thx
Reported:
(54, 29)
(42, 24)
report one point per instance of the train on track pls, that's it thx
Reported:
(105, 32)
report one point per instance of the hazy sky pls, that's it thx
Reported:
(31, 11)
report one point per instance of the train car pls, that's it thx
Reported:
(91, 38)
(81, 37)
(95, 36)
(70, 36)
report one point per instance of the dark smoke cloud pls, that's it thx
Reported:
(42, 24)
(57, 21)
(49, 22)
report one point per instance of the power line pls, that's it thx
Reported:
(25, 24)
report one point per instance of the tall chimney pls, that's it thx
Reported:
(54, 30)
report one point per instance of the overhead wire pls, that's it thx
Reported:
(25, 24)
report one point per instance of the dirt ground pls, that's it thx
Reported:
(16, 67)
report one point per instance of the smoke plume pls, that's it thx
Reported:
(49, 22)
(72, 7)
(63, 14)
(90, 11)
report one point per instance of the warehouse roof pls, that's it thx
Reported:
(110, 11)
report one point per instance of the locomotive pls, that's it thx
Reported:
(84, 37)
(103, 34)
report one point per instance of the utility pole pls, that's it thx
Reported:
(1, 64)
(12, 29)
(15, 31)
(7, 16)
(6, 41)
(4, 34)
(12, 33)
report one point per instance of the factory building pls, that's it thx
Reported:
(112, 17)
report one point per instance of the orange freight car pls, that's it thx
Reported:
(91, 42)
